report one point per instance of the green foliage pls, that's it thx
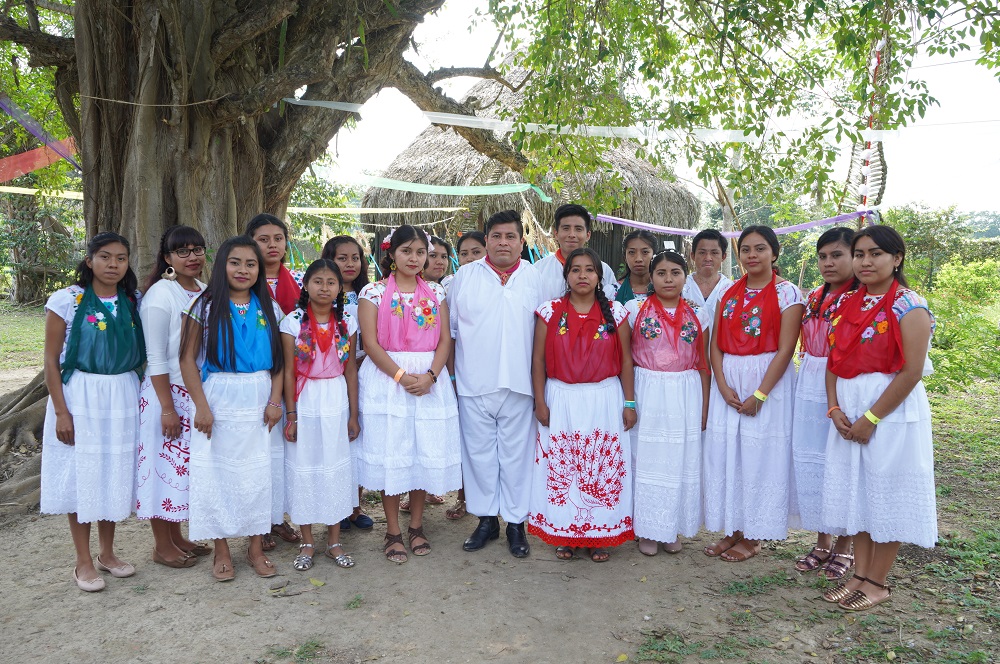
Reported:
(757, 585)
(985, 223)
(965, 343)
(22, 336)
(677, 66)
(932, 237)
(317, 192)
(975, 282)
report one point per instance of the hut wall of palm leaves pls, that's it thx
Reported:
(440, 156)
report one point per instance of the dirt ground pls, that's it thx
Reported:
(453, 606)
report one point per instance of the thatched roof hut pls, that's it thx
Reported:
(440, 156)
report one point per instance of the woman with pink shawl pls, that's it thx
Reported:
(410, 419)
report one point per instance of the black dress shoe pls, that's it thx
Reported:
(488, 529)
(517, 542)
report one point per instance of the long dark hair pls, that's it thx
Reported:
(836, 235)
(671, 256)
(219, 322)
(330, 253)
(401, 236)
(265, 219)
(175, 237)
(646, 237)
(85, 274)
(338, 304)
(769, 236)
(602, 299)
(476, 236)
(888, 240)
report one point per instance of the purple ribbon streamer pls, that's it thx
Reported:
(36, 129)
(778, 231)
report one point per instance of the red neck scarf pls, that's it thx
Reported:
(683, 315)
(749, 328)
(560, 257)
(286, 293)
(865, 341)
(323, 338)
(581, 349)
(504, 274)
(816, 309)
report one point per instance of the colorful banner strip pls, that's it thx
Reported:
(36, 129)
(448, 190)
(25, 162)
(778, 231)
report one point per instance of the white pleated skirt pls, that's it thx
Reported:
(410, 443)
(884, 488)
(810, 430)
(319, 476)
(95, 477)
(277, 440)
(581, 484)
(666, 454)
(231, 473)
(162, 472)
(747, 461)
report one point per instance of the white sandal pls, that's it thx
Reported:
(303, 562)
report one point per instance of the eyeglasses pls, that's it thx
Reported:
(184, 252)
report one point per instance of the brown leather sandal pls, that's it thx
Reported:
(263, 566)
(392, 554)
(419, 549)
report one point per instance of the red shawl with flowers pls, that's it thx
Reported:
(580, 349)
(749, 327)
(865, 341)
(680, 349)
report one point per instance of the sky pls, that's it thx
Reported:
(949, 157)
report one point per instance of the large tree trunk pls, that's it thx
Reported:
(177, 119)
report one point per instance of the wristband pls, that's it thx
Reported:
(434, 377)
(630, 404)
(870, 416)
(829, 413)
(759, 396)
(399, 374)
(271, 403)
(168, 412)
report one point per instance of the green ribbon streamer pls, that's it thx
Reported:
(480, 190)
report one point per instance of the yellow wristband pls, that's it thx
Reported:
(399, 374)
(870, 416)
(760, 396)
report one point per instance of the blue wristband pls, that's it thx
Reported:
(630, 404)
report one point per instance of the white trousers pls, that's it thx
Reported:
(498, 439)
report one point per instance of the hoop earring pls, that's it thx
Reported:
(169, 274)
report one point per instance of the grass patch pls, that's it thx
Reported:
(355, 602)
(669, 646)
(309, 651)
(757, 585)
(22, 336)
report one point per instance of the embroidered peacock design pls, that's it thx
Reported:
(585, 471)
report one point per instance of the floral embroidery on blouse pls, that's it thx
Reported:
(396, 305)
(689, 332)
(343, 347)
(650, 328)
(261, 321)
(603, 331)
(563, 323)
(730, 307)
(96, 320)
(425, 313)
(751, 321)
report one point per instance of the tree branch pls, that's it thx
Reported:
(44, 49)
(242, 28)
(411, 82)
(475, 72)
(54, 7)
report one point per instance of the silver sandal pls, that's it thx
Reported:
(303, 562)
(343, 560)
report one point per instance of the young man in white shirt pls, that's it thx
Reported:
(491, 305)
(572, 231)
(706, 285)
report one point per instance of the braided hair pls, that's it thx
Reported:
(839, 234)
(338, 304)
(602, 299)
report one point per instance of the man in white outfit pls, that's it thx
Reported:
(491, 304)
(705, 285)
(572, 231)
